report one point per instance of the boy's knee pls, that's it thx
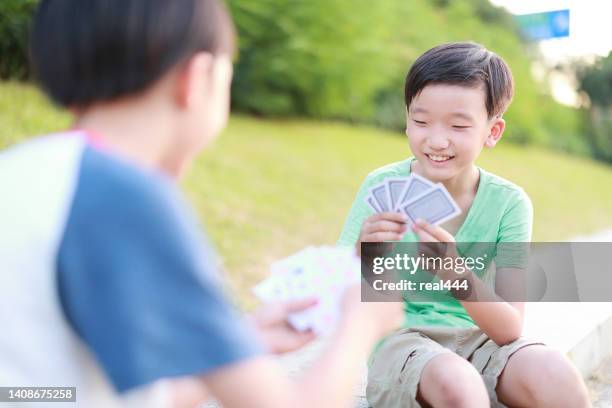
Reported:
(463, 388)
(557, 370)
(456, 382)
(566, 376)
(560, 377)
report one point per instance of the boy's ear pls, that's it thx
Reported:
(495, 132)
(193, 80)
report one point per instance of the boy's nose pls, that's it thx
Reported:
(438, 141)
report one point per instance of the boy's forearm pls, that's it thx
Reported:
(498, 319)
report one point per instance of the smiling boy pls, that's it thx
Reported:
(459, 353)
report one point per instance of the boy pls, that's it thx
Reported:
(458, 353)
(107, 286)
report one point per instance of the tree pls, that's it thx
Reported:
(15, 23)
(596, 82)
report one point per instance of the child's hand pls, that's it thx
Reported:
(435, 241)
(278, 335)
(381, 227)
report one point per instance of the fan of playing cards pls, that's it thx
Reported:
(321, 272)
(414, 196)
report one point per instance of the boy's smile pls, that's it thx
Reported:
(439, 159)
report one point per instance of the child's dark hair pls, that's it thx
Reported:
(465, 64)
(87, 51)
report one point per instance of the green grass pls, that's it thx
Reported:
(267, 188)
(25, 112)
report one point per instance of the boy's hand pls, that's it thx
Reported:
(435, 242)
(381, 227)
(275, 330)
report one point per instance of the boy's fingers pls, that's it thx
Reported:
(295, 306)
(432, 249)
(382, 236)
(300, 339)
(389, 216)
(438, 233)
(306, 336)
(275, 313)
(384, 225)
(394, 216)
(424, 235)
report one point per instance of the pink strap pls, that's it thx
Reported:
(94, 139)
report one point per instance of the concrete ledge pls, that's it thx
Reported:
(593, 349)
(564, 325)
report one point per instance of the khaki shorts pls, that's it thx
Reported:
(396, 367)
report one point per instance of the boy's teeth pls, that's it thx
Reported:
(439, 158)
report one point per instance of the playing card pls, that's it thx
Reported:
(372, 203)
(320, 319)
(416, 186)
(434, 206)
(322, 272)
(272, 289)
(295, 272)
(297, 260)
(379, 193)
(395, 190)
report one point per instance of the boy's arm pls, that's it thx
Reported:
(328, 383)
(501, 320)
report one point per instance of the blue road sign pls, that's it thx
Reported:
(542, 26)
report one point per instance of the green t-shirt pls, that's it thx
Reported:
(500, 212)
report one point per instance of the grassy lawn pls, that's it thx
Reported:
(268, 187)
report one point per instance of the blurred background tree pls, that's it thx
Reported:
(15, 21)
(596, 82)
(316, 58)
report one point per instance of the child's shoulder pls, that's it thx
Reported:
(67, 159)
(498, 181)
(108, 170)
(502, 191)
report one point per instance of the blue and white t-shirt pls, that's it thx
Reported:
(96, 251)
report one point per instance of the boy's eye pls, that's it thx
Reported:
(459, 127)
(419, 122)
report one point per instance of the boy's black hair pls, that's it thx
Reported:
(465, 64)
(88, 51)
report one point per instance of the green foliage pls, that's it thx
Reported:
(15, 21)
(596, 82)
(600, 132)
(316, 58)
